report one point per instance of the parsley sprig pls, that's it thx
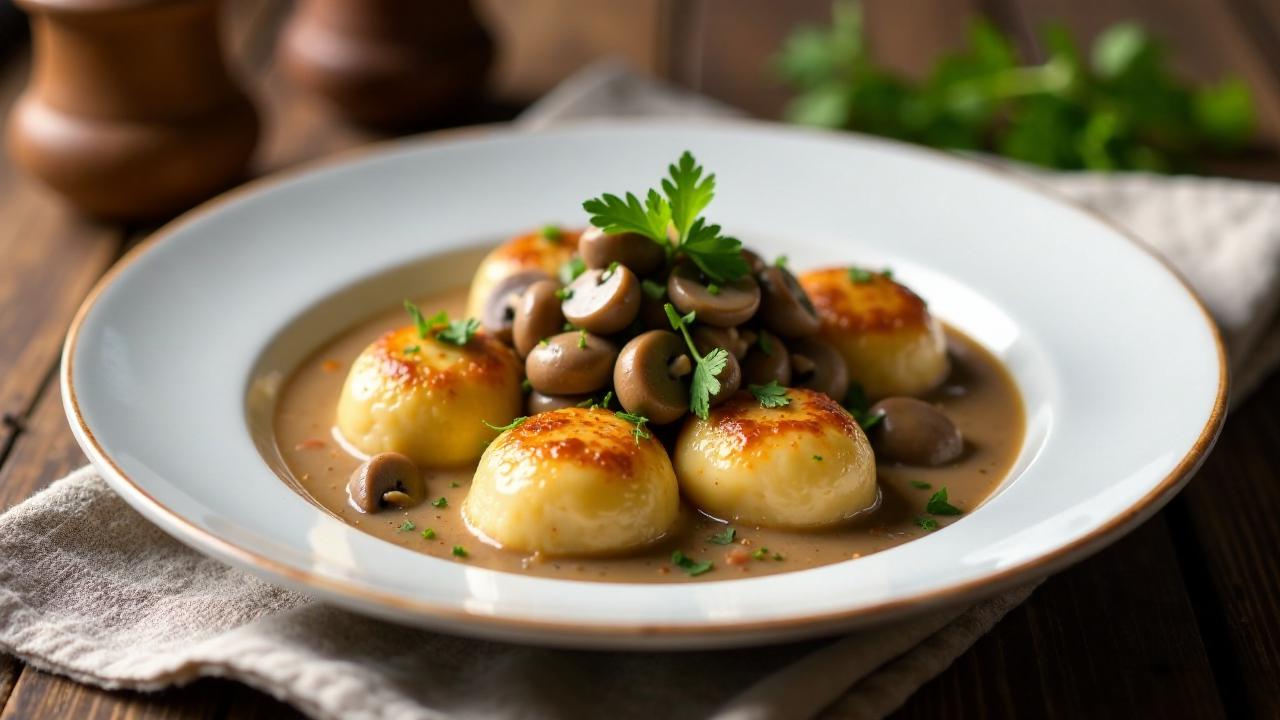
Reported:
(638, 432)
(938, 505)
(458, 332)
(707, 368)
(686, 192)
(772, 395)
(724, 537)
(509, 426)
(689, 565)
(856, 402)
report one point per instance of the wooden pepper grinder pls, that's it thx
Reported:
(389, 64)
(131, 113)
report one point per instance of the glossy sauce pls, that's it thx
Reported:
(979, 396)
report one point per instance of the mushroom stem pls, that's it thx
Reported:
(680, 366)
(801, 364)
(397, 498)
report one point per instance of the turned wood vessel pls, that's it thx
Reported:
(130, 112)
(389, 64)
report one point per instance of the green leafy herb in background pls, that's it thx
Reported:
(1119, 108)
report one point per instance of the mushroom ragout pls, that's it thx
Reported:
(648, 400)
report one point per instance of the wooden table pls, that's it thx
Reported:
(1179, 619)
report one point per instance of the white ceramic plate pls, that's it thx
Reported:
(172, 363)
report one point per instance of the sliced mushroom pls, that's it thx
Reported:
(767, 360)
(649, 378)
(722, 305)
(571, 363)
(785, 308)
(500, 309)
(540, 402)
(603, 301)
(385, 480)
(635, 251)
(818, 366)
(706, 337)
(914, 432)
(538, 315)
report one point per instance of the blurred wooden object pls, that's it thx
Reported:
(130, 112)
(389, 64)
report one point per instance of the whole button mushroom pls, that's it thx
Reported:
(540, 402)
(754, 262)
(603, 301)
(387, 479)
(538, 316)
(632, 250)
(500, 309)
(722, 305)
(571, 363)
(707, 337)
(914, 432)
(767, 360)
(818, 366)
(650, 378)
(785, 307)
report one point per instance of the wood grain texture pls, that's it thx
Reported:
(39, 694)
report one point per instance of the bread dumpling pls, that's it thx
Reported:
(803, 465)
(889, 340)
(428, 398)
(573, 481)
(544, 250)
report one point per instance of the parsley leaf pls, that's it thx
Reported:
(859, 276)
(459, 332)
(638, 432)
(459, 551)
(926, 523)
(429, 534)
(612, 214)
(440, 502)
(716, 255)
(817, 458)
(938, 505)
(921, 485)
(772, 395)
(571, 269)
(688, 192)
(760, 553)
(424, 324)
(689, 565)
(655, 290)
(705, 383)
(406, 526)
(509, 426)
(551, 233)
(724, 537)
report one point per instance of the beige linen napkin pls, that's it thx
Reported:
(90, 590)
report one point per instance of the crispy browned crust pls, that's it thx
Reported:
(488, 362)
(600, 439)
(809, 412)
(877, 305)
(529, 249)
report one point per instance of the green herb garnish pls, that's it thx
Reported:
(582, 339)
(459, 551)
(689, 565)
(429, 534)
(440, 502)
(772, 395)
(509, 426)
(406, 526)
(655, 290)
(778, 557)
(424, 324)
(705, 382)
(552, 233)
(572, 268)
(938, 505)
(713, 289)
(859, 276)
(564, 293)
(817, 458)
(459, 332)
(766, 347)
(926, 523)
(638, 432)
(724, 537)
(781, 261)
(410, 349)
(609, 271)
(760, 553)
(921, 485)
(525, 385)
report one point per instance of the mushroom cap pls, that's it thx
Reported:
(828, 372)
(381, 474)
(767, 360)
(538, 316)
(571, 363)
(603, 301)
(643, 381)
(638, 253)
(733, 303)
(915, 432)
(500, 306)
(785, 308)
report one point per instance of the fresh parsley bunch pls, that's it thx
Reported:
(1120, 108)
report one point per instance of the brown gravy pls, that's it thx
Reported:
(979, 396)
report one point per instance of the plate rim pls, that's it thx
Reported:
(399, 608)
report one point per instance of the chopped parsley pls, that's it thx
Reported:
(689, 565)
(591, 403)
(921, 485)
(760, 553)
(685, 194)
(705, 381)
(429, 534)
(424, 324)
(408, 349)
(552, 233)
(564, 293)
(859, 276)
(459, 332)
(778, 557)
(609, 271)
(406, 526)
(713, 289)
(781, 261)
(459, 551)
(772, 395)
(817, 458)
(938, 505)
(525, 385)
(582, 339)
(724, 537)
(455, 484)
(638, 432)
(926, 523)
(655, 290)
(440, 502)
(572, 268)
(869, 420)
(856, 402)
(509, 426)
